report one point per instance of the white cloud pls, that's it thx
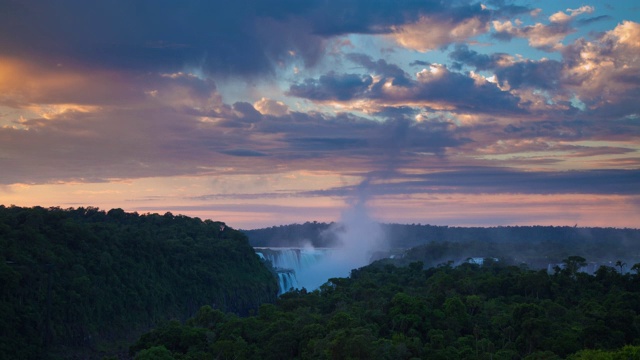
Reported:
(561, 17)
(271, 107)
(435, 71)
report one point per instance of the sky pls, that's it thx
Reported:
(261, 113)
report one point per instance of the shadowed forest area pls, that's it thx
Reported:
(387, 312)
(87, 281)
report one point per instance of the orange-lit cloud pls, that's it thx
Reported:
(430, 33)
(543, 36)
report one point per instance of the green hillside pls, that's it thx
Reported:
(84, 280)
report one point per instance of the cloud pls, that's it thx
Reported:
(395, 112)
(542, 145)
(243, 152)
(464, 55)
(435, 87)
(170, 137)
(592, 129)
(545, 37)
(271, 107)
(597, 78)
(430, 33)
(457, 24)
(332, 86)
(604, 74)
(58, 88)
(247, 37)
(381, 67)
(217, 36)
(489, 180)
(544, 74)
(25, 83)
(461, 93)
(510, 181)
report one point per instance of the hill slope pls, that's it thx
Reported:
(84, 278)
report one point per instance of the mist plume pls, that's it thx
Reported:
(359, 237)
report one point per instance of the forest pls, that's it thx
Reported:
(383, 311)
(83, 282)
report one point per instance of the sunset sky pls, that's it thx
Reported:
(261, 113)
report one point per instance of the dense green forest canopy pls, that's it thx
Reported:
(81, 279)
(387, 312)
(536, 246)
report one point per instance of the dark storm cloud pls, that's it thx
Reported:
(329, 18)
(223, 37)
(158, 35)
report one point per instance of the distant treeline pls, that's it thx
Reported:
(387, 312)
(83, 279)
(534, 245)
(315, 233)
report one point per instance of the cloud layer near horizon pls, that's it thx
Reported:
(412, 98)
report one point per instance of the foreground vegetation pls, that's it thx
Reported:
(83, 280)
(388, 312)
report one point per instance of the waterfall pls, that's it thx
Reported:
(292, 264)
(286, 280)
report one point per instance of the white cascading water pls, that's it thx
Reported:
(292, 265)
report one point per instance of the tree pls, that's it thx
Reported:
(155, 353)
(573, 263)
